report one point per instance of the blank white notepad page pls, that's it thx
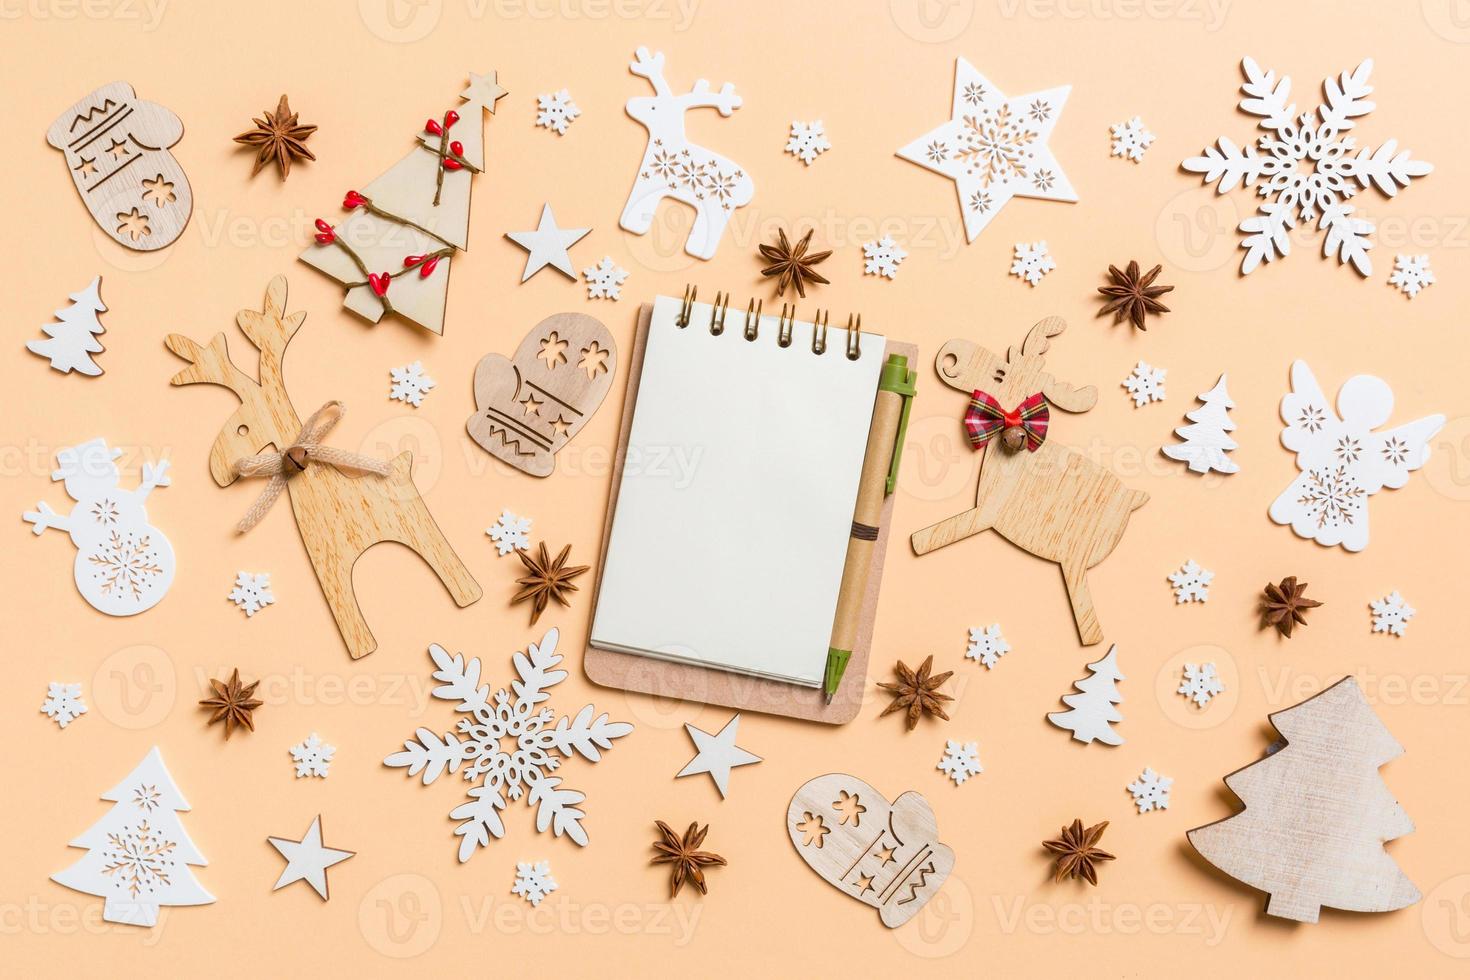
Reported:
(734, 512)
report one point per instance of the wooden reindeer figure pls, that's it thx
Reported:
(673, 167)
(339, 516)
(1039, 495)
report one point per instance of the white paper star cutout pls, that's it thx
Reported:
(307, 860)
(718, 754)
(994, 148)
(483, 91)
(548, 245)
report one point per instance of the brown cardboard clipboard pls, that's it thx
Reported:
(707, 685)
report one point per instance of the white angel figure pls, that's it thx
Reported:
(1343, 461)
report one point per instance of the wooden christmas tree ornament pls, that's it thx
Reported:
(1317, 813)
(1036, 493)
(344, 503)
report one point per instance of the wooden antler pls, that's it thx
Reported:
(210, 365)
(1038, 339)
(270, 330)
(650, 67)
(725, 99)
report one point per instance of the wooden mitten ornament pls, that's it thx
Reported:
(116, 148)
(344, 503)
(1317, 813)
(1036, 493)
(531, 406)
(883, 854)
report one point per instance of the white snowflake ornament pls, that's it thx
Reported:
(410, 384)
(1032, 261)
(1411, 273)
(510, 533)
(313, 757)
(882, 257)
(987, 645)
(1192, 583)
(1390, 614)
(556, 110)
(1201, 683)
(63, 703)
(1130, 139)
(1146, 384)
(808, 141)
(961, 761)
(533, 881)
(1151, 791)
(605, 279)
(1306, 169)
(489, 725)
(252, 592)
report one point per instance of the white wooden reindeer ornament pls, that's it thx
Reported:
(1041, 496)
(674, 167)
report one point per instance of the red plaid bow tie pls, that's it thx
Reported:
(985, 419)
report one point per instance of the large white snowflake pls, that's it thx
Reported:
(605, 279)
(1130, 139)
(807, 141)
(533, 881)
(882, 257)
(1032, 261)
(1390, 614)
(556, 110)
(1201, 683)
(510, 533)
(410, 383)
(1191, 582)
(507, 745)
(1146, 384)
(1306, 169)
(961, 761)
(1411, 273)
(987, 645)
(1151, 791)
(252, 592)
(313, 757)
(63, 703)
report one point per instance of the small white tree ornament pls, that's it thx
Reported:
(1205, 439)
(1091, 711)
(73, 339)
(137, 855)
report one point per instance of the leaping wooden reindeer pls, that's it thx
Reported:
(1036, 493)
(673, 167)
(339, 516)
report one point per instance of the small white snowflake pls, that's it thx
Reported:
(1200, 683)
(252, 592)
(807, 141)
(961, 761)
(1391, 614)
(1032, 262)
(63, 703)
(556, 110)
(313, 757)
(1151, 791)
(510, 533)
(533, 881)
(410, 383)
(1192, 583)
(987, 645)
(605, 279)
(1411, 273)
(1130, 139)
(882, 257)
(1146, 384)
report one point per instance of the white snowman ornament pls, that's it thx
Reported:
(124, 565)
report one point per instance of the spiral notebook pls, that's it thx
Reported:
(730, 520)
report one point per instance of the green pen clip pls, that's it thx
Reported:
(897, 377)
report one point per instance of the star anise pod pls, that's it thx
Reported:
(233, 703)
(1077, 851)
(792, 266)
(916, 692)
(548, 579)
(1132, 295)
(684, 854)
(278, 137)
(1284, 605)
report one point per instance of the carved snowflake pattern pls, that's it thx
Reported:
(1333, 497)
(139, 858)
(997, 146)
(126, 564)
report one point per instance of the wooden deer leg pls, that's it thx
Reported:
(334, 572)
(948, 531)
(416, 528)
(1083, 615)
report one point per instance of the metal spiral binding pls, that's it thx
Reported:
(753, 318)
(854, 332)
(690, 292)
(717, 313)
(819, 332)
(786, 324)
(788, 320)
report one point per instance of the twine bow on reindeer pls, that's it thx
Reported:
(307, 448)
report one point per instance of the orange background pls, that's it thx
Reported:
(877, 74)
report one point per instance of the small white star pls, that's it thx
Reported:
(548, 245)
(307, 860)
(718, 754)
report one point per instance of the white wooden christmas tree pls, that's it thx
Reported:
(138, 854)
(1317, 813)
(73, 338)
(1206, 440)
(1092, 712)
